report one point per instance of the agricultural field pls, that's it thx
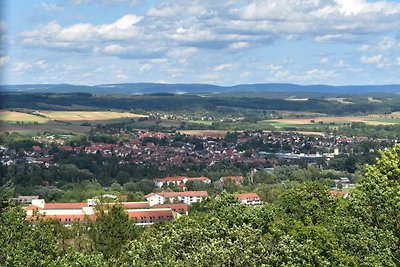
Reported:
(376, 119)
(201, 122)
(88, 115)
(14, 117)
(59, 121)
(215, 133)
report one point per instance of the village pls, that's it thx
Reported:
(259, 149)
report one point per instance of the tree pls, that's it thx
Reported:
(376, 199)
(112, 230)
(24, 245)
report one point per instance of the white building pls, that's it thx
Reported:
(179, 180)
(249, 199)
(187, 197)
(141, 213)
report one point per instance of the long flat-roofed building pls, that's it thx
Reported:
(141, 213)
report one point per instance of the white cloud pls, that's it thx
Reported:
(364, 47)
(81, 35)
(21, 66)
(398, 61)
(315, 76)
(145, 68)
(272, 67)
(324, 61)
(342, 64)
(182, 52)
(351, 7)
(239, 45)
(121, 76)
(42, 64)
(372, 59)
(51, 7)
(387, 43)
(211, 76)
(224, 67)
(4, 60)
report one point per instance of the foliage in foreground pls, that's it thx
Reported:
(305, 227)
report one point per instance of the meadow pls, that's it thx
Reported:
(333, 121)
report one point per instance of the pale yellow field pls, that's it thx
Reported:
(216, 133)
(371, 120)
(12, 116)
(88, 115)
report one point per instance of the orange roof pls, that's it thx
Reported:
(59, 206)
(136, 205)
(202, 178)
(245, 196)
(147, 214)
(181, 194)
(177, 207)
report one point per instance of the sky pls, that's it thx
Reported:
(227, 42)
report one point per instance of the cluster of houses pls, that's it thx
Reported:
(255, 148)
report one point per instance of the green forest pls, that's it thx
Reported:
(304, 226)
(52, 101)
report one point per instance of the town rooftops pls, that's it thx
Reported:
(179, 194)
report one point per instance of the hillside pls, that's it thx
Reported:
(146, 88)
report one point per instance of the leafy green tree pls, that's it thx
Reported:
(24, 245)
(112, 230)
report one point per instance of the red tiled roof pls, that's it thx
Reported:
(59, 206)
(177, 207)
(147, 214)
(136, 205)
(180, 194)
(245, 196)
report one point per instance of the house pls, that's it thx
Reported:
(187, 197)
(141, 213)
(203, 179)
(249, 198)
(238, 180)
(179, 180)
(24, 199)
(174, 180)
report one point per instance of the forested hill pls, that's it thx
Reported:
(146, 88)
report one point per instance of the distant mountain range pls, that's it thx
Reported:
(149, 88)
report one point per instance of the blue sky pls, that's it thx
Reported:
(200, 41)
